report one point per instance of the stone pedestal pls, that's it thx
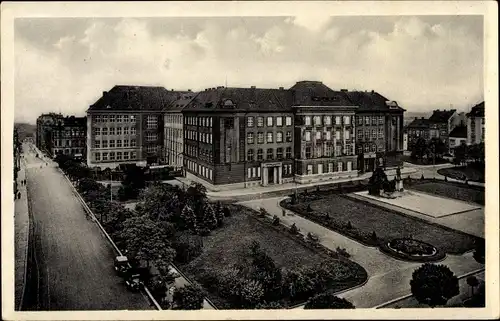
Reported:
(399, 185)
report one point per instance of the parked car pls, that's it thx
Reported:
(122, 265)
(134, 282)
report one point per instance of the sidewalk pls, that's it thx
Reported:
(263, 190)
(21, 227)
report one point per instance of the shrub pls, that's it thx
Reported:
(263, 212)
(446, 178)
(251, 293)
(349, 225)
(434, 284)
(189, 297)
(309, 208)
(422, 177)
(328, 301)
(294, 229)
(269, 305)
(479, 252)
(276, 220)
(227, 212)
(374, 236)
(342, 252)
(187, 247)
(312, 238)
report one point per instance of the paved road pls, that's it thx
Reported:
(72, 262)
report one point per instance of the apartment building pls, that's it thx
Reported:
(457, 137)
(475, 124)
(238, 137)
(325, 141)
(174, 130)
(69, 136)
(418, 128)
(379, 130)
(125, 125)
(43, 136)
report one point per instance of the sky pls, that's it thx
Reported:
(422, 62)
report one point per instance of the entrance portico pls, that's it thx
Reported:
(272, 173)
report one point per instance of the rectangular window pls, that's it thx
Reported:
(112, 131)
(97, 144)
(210, 125)
(380, 133)
(337, 120)
(250, 155)
(258, 172)
(210, 138)
(367, 120)
(374, 134)
(308, 152)
(360, 134)
(250, 121)
(380, 120)
(288, 121)
(125, 155)
(250, 138)
(269, 137)
(337, 134)
(260, 138)
(307, 120)
(260, 154)
(374, 120)
(125, 130)
(104, 131)
(97, 131)
(279, 137)
(328, 135)
(105, 156)
(318, 135)
(347, 134)
(288, 136)
(320, 168)
(260, 121)
(111, 143)
(249, 173)
(288, 153)
(254, 172)
(104, 144)
(347, 120)
(133, 155)
(308, 136)
(118, 155)
(119, 143)
(279, 121)
(339, 167)
(111, 118)
(338, 150)
(360, 120)
(317, 120)
(279, 153)
(132, 130)
(309, 169)
(327, 120)
(132, 143)
(125, 143)
(97, 157)
(330, 167)
(118, 131)
(270, 154)
(269, 121)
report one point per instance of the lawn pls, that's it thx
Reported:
(470, 172)
(230, 245)
(365, 218)
(424, 161)
(452, 190)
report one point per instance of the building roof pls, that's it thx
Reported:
(135, 98)
(459, 132)
(315, 93)
(441, 116)
(72, 121)
(371, 101)
(477, 111)
(182, 99)
(245, 99)
(419, 123)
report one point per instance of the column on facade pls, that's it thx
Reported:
(264, 176)
(280, 174)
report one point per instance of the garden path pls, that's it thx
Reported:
(388, 278)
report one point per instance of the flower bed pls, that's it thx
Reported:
(412, 250)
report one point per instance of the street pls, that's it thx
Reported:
(70, 260)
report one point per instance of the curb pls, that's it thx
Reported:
(85, 206)
(410, 295)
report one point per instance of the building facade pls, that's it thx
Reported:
(457, 137)
(125, 126)
(238, 137)
(418, 128)
(379, 130)
(69, 137)
(325, 141)
(475, 125)
(174, 130)
(44, 126)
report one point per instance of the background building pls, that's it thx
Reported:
(69, 137)
(379, 130)
(324, 133)
(475, 124)
(238, 137)
(418, 128)
(125, 125)
(44, 126)
(174, 130)
(457, 137)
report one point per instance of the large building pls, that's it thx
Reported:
(239, 137)
(174, 130)
(324, 133)
(44, 125)
(379, 130)
(457, 137)
(475, 125)
(418, 128)
(125, 125)
(69, 137)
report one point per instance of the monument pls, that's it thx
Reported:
(399, 181)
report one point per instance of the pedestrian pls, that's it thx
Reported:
(19, 195)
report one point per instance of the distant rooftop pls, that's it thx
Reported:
(477, 111)
(459, 132)
(441, 116)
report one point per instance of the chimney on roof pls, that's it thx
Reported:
(104, 93)
(253, 87)
(281, 88)
(373, 91)
(189, 90)
(344, 90)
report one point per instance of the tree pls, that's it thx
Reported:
(189, 218)
(328, 301)
(294, 229)
(436, 148)
(134, 179)
(187, 247)
(434, 284)
(420, 148)
(188, 297)
(196, 194)
(472, 281)
(251, 293)
(460, 153)
(209, 218)
(376, 182)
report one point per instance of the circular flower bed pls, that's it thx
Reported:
(412, 250)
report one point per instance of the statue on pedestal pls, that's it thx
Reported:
(399, 181)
